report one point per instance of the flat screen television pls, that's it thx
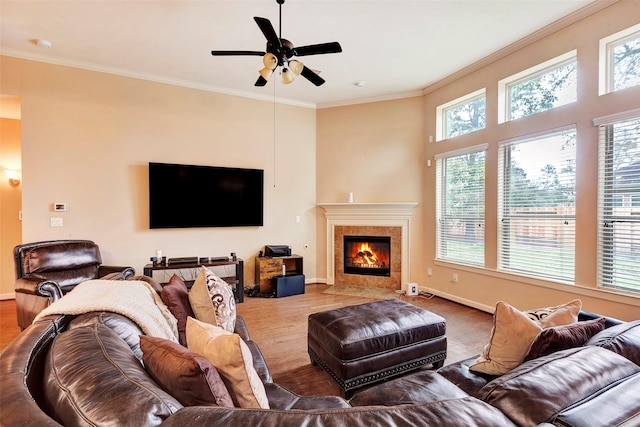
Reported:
(188, 196)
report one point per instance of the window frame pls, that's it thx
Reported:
(441, 192)
(608, 195)
(504, 85)
(441, 112)
(606, 83)
(503, 218)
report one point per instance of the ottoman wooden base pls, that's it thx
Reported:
(368, 343)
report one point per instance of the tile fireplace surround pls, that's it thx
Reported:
(374, 219)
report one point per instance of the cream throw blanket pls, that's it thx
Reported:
(134, 299)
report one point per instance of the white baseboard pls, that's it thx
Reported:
(7, 296)
(460, 300)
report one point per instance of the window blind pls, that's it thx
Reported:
(460, 206)
(536, 205)
(619, 205)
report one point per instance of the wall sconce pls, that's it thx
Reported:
(14, 177)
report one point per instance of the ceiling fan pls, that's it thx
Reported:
(279, 53)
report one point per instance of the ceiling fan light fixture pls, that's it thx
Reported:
(270, 61)
(296, 67)
(266, 73)
(287, 76)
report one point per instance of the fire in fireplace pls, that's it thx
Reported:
(367, 255)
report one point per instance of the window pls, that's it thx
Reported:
(618, 205)
(460, 206)
(536, 205)
(463, 115)
(620, 60)
(545, 86)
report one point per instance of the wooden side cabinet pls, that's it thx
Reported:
(267, 268)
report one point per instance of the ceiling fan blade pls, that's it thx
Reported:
(308, 74)
(261, 81)
(236, 53)
(268, 31)
(317, 49)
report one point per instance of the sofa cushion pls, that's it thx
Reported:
(233, 360)
(189, 377)
(614, 406)
(538, 389)
(124, 327)
(176, 297)
(623, 339)
(281, 398)
(419, 387)
(462, 377)
(557, 338)
(514, 331)
(91, 377)
(466, 411)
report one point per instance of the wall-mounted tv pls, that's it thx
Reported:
(187, 196)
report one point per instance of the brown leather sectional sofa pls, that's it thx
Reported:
(595, 385)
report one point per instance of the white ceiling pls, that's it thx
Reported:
(396, 47)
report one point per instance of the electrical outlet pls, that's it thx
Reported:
(454, 278)
(429, 272)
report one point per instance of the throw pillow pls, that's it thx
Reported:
(224, 302)
(512, 334)
(187, 376)
(233, 360)
(201, 301)
(559, 338)
(175, 295)
(514, 331)
(559, 315)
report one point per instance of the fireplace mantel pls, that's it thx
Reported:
(392, 214)
(390, 210)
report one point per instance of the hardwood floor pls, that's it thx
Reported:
(9, 328)
(279, 326)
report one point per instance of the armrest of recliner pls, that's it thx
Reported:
(127, 272)
(38, 286)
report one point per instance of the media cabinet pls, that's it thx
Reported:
(236, 282)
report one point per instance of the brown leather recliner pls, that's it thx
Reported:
(45, 271)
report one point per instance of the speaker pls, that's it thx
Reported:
(286, 286)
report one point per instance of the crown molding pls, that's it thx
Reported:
(151, 77)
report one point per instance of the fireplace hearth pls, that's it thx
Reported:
(367, 255)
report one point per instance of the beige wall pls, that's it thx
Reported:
(87, 139)
(10, 203)
(379, 151)
(484, 286)
(376, 151)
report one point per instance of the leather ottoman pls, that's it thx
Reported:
(363, 344)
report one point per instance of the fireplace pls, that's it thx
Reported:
(369, 219)
(367, 255)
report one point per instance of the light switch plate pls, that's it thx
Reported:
(56, 222)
